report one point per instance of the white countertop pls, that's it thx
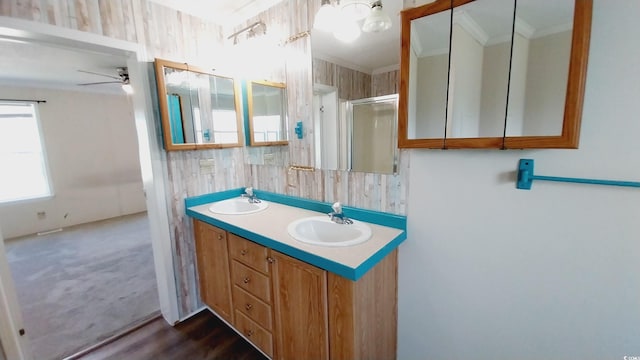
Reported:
(273, 221)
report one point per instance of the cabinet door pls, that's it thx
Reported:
(213, 268)
(300, 309)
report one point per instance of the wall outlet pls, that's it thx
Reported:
(207, 166)
(269, 159)
(41, 215)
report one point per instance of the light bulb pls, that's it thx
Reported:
(325, 17)
(127, 88)
(347, 31)
(377, 20)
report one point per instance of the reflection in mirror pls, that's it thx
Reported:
(479, 71)
(345, 74)
(372, 132)
(198, 109)
(267, 113)
(544, 67)
(428, 69)
(540, 67)
(356, 135)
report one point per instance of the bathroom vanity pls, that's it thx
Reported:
(294, 300)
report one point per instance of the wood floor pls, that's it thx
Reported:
(203, 336)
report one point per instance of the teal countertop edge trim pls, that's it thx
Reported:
(380, 218)
(370, 216)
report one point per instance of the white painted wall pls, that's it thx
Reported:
(547, 72)
(518, 86)
(466, 84)
(431, 102)
(492, 272)
(493, 98)
(92, 148)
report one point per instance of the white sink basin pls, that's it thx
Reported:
(320, 230)
(237, 206)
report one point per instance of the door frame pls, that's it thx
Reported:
(153, 167)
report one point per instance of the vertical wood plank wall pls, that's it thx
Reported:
(353, 84)
(170, 34)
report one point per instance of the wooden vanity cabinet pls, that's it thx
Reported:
(293, 310)
(213, 268)
(251, 279)
(300, 309)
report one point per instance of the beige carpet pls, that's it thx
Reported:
(81, 285)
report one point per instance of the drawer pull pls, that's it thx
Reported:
(270, 260)
(246, 280)
(244, 252)
(248, 307)
(220, 236)
(248, 332)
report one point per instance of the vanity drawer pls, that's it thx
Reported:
(248, 253)
(255, 333)
(252, 281)
(253, 307)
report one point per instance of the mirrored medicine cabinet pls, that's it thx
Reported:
(493, 73)
(266, 113)
(198, 109)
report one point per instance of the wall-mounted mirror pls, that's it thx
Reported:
(354, 119)
(199, 110)
(490, 74)
(266, 109)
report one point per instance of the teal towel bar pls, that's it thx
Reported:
(526, 177)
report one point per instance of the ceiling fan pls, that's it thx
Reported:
(122, 78)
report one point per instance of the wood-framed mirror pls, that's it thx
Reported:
(198, 109)
(493, 74)
(266, 111)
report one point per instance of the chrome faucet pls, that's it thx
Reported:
(248, 193)
(337, 216)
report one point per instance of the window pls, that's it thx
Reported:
(24, 169)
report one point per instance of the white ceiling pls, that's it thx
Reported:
(371, 52)
(30, 63)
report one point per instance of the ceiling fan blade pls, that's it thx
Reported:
(95, 73)
(102, 82)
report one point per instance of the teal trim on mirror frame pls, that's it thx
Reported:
(245, 112)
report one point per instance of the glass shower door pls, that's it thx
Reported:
(373, 130)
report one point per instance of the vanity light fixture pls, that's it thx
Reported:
(256, 29)
(343, 19)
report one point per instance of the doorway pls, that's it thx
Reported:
(80, 254)
(151, 164)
